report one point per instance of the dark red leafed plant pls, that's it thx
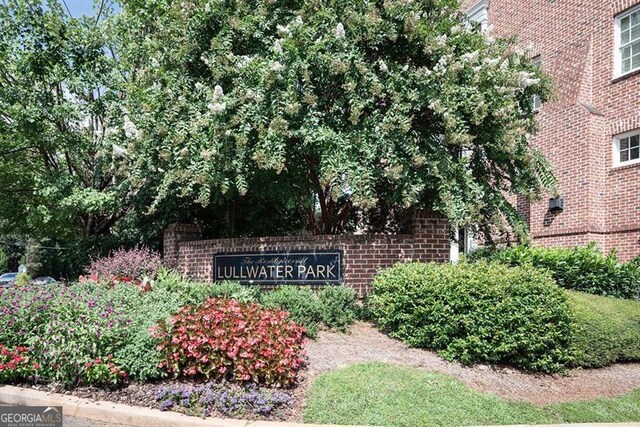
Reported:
(126, 264)
(224, 339)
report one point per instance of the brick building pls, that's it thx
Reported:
(590, 131)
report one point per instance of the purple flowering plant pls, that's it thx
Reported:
(223, 399)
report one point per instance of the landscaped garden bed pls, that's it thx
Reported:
(136, 333)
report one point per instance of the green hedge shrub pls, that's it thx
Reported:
(482, 312)
(339, 308)
(583, 269)
(333, 307)
(303, 305)
(605, 331)
(196, 293)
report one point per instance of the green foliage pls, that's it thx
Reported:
(339, 105)
(333, 307)
(338, 306)
(195, 293)
(476, 313)
(68, 327)
(22, 279)
(4, 261)
(605, 330)
(138, 354)
(583, 269)
(301, 302)
(386, 395)
(60, 117)
(102, 373)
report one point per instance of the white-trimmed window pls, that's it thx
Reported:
(480, 14)
(628, 42)
(626, 148)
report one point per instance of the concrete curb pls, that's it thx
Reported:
(118, 413)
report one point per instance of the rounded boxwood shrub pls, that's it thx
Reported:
(482, 312)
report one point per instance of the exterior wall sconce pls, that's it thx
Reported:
(556, 204)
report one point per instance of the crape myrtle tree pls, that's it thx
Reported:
(340, 106)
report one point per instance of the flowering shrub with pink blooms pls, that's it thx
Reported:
(126, 265)
(225, 339)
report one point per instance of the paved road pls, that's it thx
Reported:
(81, 422)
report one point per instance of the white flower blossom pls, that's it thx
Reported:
(207, 8)
(217, 107)
(456, 29)
(217, 92)
(340, 31)
(155, 63)
(108, 131)
(492, 62)
(299, 20)
(383, 66)
(277, 47)
(199, 86)
(282, 30)
(130, 129)
(470, 57)
(526, 79)
(160, 170)
(118, 151)
(276, 66)
(243, 61)
(405, 68)
(441, 39)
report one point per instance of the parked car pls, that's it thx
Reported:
(43, 280)
(8, 279)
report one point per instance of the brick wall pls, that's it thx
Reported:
(363, 255)
(575, 42)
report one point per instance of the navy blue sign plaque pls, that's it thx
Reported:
(277, 268)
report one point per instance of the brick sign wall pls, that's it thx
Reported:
(362, 255)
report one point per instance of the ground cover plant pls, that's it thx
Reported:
(386, 395)
(583, 268)
(482, 312)
(224, 399)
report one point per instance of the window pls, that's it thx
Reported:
(628, 42)
(626, 148)
(537, 101)
(479, 14)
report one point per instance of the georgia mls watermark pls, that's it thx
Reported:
(30, 416)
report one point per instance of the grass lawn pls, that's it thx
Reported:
(386, 395)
